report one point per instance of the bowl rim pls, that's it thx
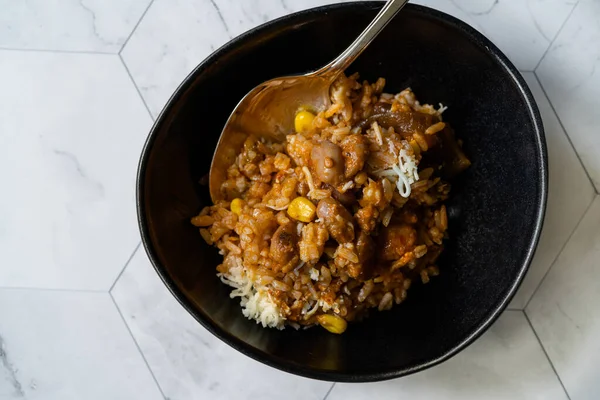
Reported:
(282, 364)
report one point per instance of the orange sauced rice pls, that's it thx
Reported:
(342, 217)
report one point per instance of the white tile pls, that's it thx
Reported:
(71, 131)
(507, 362)
(522, 29)
(570, 73)
(58, 345)
(72, 25)
(172, 38)
(187, 360)
(564, 209)
(565, 313)
(176, 35)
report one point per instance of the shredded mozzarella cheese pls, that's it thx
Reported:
(406, 172)
(309, 181)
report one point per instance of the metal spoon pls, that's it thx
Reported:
(269, 109)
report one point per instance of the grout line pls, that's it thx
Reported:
(513, 309)
(136, 26)
(555, 36)
(559, 253)
(124, 267)
(138, 346)
(57, 51)
(546, 354)
(136, 88)
(52, 289)
(329, 391)
(566, 133)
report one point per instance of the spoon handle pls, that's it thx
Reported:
(343, 61)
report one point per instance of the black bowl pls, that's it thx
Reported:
(496, 209)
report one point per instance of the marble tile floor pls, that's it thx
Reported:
(80, 323)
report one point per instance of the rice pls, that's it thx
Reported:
(257, 305)
(340, 218)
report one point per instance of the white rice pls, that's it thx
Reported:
(256, 304)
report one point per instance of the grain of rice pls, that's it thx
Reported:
(312, 291)
(265, 280)
(309, 179)
(365, 291)
(402, 261)
(278, 285)
(203, 220)
(387, 216)
(435, 128)
(377, 131)
(420, 251)
(206, 236)
(424, 276)
(347, 253)
(233, 248)
(386, 302)
(443, 219)
(319, 194)
(347, 186)
(325, 275)
(420, 139)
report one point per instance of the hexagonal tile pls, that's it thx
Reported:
(564, 209)
(172, 38)
(570, 73)
(188, 361)
(507, 362)
(176, 35)
(72, 25)
(523, 29)
(565, 313)
(57, 345)
(71, 130)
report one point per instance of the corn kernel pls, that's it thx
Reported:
(302, 209)
(236, 206)
(332, 323)
(303, 121)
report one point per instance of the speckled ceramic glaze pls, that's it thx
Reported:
(496, 207)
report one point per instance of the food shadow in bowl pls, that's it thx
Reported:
(495, 210)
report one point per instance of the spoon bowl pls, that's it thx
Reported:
(268, 110)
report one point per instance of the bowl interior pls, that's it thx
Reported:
(495, 209)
